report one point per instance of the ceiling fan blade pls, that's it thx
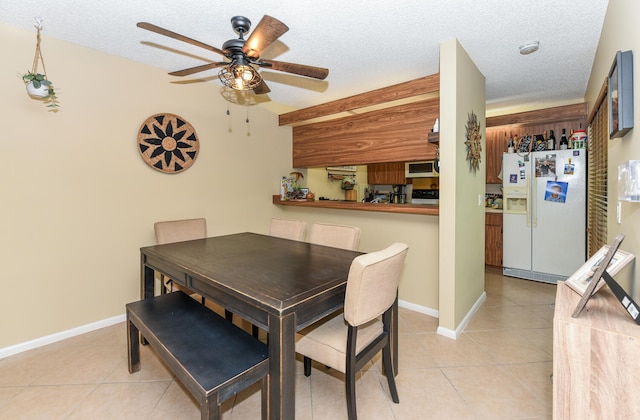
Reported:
(153, 28)
(301, 69)
(268, 30)
(197, 69)
(262, 88)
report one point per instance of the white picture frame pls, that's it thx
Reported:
(580, 280)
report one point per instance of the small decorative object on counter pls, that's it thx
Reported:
(290, 188)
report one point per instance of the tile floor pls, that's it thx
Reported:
(499, 368)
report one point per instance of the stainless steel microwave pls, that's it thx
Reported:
(424, 169)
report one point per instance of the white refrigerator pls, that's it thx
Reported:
(544, 222)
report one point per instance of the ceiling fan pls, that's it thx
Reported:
(243, 56)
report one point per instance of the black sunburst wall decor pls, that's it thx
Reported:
(168, 143)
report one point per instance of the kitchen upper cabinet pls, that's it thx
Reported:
(493, 239)
(391, 134)
(386, 173)
(385, 125)
(497, 144)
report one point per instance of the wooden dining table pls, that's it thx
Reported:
(277, 284)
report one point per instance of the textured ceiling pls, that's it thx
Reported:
(365, 44)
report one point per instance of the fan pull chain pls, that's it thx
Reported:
(248, 124)
(229, 119)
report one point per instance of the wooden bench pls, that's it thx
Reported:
(213, 358)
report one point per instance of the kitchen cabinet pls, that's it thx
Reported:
(386, 173)
(497, 144)
(493, 239)
(384, 125)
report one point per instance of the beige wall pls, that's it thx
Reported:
(79, 202)
(77, 199)
(419, 281)
(462, 219)
(621, 33)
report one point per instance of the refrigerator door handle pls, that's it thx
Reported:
(528, 205)
(534, 196)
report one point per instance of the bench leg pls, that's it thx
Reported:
(210, 409)
(133, 347)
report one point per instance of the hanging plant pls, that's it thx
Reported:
(37, 84)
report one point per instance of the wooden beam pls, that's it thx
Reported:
(546, 115)
(421, 86)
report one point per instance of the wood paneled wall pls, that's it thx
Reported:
(394, 134)
(391, 132)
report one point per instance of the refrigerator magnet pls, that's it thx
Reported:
(523, 173)
(569, 168)
(556, 191)
(513, 178)
(546, 166)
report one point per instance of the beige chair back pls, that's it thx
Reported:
(288, 229)
(372, 284)
(180, 230)
(337, 236)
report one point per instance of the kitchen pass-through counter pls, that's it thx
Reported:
(425, 209)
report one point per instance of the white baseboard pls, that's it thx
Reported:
(42, 341)
(418, 308)
(453, 334)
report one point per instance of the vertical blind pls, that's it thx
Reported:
(598, 138)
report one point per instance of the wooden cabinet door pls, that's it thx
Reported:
(493, 239)
(496, 145)
(386, 173)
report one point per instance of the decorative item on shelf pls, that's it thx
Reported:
(168, 143)
(37, 84)
(524, 145)
(473, 142)
(348, 183)
(578, 139)
(540, 144)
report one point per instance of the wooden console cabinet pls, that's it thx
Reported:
(596, 358)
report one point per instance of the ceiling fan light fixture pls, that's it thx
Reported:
(529, 48)
(240, 77)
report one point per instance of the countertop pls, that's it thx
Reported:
(424, 209)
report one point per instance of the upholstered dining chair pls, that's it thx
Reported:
(350, 339)
(288, 229)
(337, 236)
(179, 231)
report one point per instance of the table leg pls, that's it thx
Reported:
(282, 367)
(147, 282)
